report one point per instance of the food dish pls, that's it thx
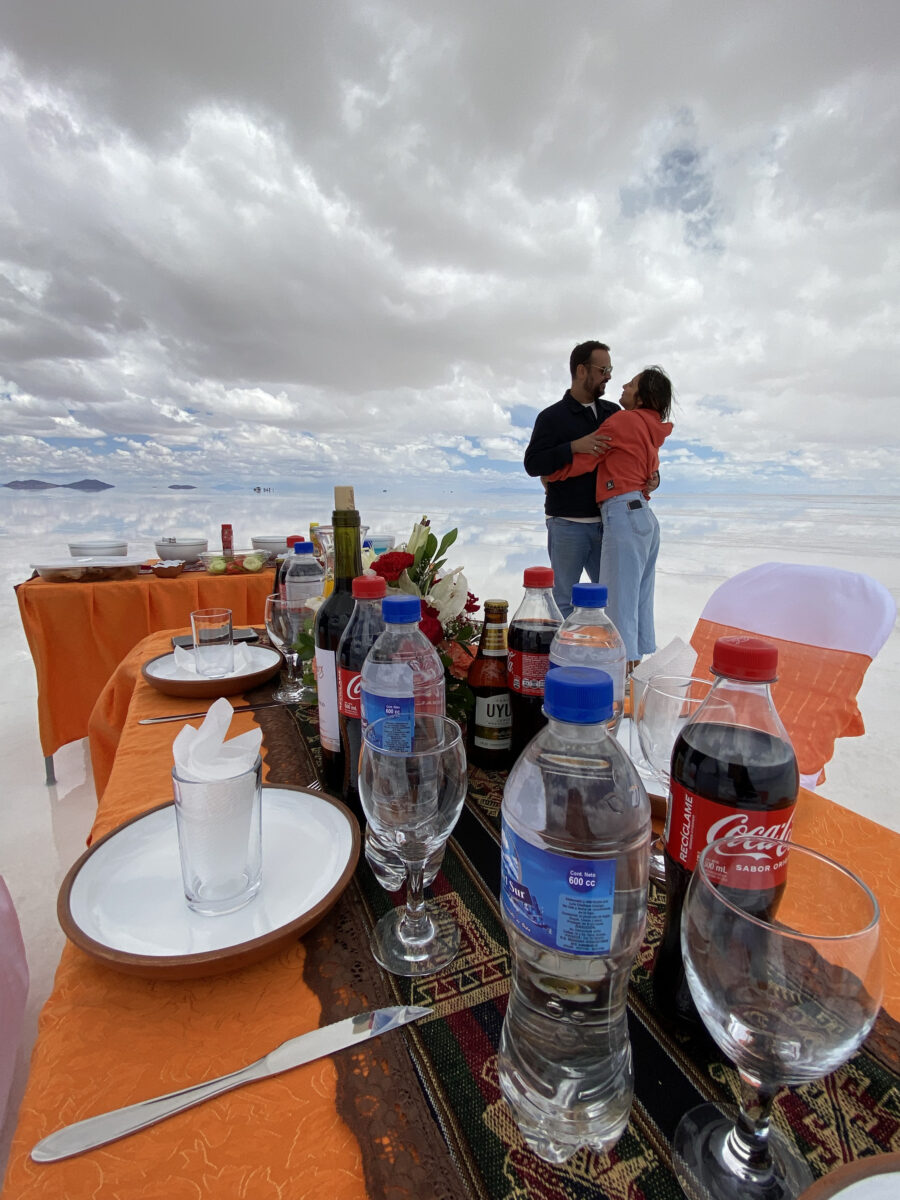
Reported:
(238, 562)
(123, 901)
(167, 570)
(162, 673)
(89, 570)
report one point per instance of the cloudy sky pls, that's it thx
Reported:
(262, 240)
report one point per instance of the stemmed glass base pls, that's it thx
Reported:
(415, 946)
(711, 1163)
(293, 690)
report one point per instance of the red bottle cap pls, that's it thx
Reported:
(368, 587)
(538, 577)
(740, 656)
(293, 539)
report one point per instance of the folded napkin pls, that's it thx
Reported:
(203, 754)
(185, 661)
(677, 658)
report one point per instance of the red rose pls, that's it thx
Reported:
(431, 627)
(392, 565)
(472, 603)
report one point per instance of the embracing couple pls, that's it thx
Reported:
(599, 462)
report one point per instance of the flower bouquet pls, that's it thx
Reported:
(418, 569)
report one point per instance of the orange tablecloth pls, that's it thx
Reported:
(78, 633)
(280, 1138)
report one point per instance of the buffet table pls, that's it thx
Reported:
(416, 1113)
(78, 633)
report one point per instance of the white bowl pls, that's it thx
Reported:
(98, 548)
(186, 549)
(271, 545)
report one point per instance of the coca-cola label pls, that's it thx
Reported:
(349, 690)
(526, 672)
(560, 902)
(693, 821)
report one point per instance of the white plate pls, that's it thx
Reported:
(259, 659)
(163, 674)
(123, 901)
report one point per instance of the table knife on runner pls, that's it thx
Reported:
(190, 716)
(109, 1126)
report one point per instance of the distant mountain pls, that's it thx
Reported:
(182, 487)
(38, 485)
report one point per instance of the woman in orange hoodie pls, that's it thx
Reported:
(630, 530)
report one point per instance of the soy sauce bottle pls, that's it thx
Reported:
(734, 773)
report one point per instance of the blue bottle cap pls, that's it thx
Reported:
(579, 695)
(303, 547)
(401, 610)
(589, 595)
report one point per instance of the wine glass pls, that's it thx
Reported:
(788, 991)
(412, 783)
(666, 705)
(284, 621)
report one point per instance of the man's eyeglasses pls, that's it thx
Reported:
(604, 371)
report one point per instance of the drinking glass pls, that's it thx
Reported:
(788, 992)
(284, 621)
(666, 705)
(412, 790)
(213, 641)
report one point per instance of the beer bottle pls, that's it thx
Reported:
(490, 728)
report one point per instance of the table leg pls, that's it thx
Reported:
(50, 778)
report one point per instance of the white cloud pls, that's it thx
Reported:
(302, 236)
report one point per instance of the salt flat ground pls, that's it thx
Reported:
(705, 540)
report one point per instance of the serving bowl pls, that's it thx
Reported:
(273, 546)
(241, 562)
(98, 548)
(168, 570)
(185, 549)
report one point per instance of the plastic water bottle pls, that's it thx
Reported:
(588, 638)
(304, 578)
(575, 854)
(402, 676)
(284, 561)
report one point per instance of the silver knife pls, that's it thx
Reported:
(109, 1126)
(190, 716)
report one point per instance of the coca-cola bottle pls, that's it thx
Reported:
(363, 629)
(733, 773)
(531, 634)
(490, 728)
(331, 620)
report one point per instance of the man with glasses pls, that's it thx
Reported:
(574, 531)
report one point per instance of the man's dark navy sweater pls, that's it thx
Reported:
(550, 449)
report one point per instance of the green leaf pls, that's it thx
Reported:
(447, 541)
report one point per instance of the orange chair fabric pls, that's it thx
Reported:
(78, 633)
(815, 693)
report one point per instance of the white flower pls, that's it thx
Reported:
(449, 595)
(419, 536)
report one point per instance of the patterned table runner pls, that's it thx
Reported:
(452, 1073)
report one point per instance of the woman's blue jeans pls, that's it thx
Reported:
(628, 568)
